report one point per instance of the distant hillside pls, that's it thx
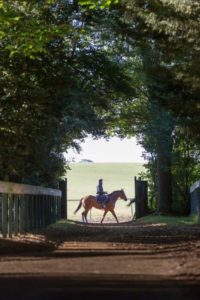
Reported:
(85, 161)
(83, 178)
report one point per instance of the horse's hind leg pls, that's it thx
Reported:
(83, 216)
(86, 212)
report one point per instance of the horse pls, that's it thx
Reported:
(91, 201)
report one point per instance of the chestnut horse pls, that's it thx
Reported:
(91, 201)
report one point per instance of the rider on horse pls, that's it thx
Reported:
(102, 197)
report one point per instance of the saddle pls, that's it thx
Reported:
(104, 198)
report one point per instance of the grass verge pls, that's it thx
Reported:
(150, 219)
(168, 220)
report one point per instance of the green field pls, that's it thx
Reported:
(83, 180)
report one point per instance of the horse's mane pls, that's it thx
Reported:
(114, 192)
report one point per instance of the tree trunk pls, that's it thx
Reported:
(164, 183)
(161, 126)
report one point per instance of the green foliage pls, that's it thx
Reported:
(168, 220)
(25, 24)
(185, 171)
(100, 67)
(58, 85)
(102, 4)
(167, 36)
(173, 28)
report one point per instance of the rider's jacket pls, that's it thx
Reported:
(100, 189)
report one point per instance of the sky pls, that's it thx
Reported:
(114, 150)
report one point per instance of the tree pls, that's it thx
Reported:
(166, 34)
(57, 86)
(173, 26)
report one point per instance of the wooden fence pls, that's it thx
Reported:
(25, 208)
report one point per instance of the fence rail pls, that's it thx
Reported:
(25, 208)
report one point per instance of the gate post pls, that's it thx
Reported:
(63, 188)
(141, 198)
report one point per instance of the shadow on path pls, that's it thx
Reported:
(96, 287)
(146, 249)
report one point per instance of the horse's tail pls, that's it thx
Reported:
(131, 202)
(79, 206)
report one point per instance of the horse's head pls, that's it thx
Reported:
(123, 195)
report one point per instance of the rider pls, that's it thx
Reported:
(101, 198)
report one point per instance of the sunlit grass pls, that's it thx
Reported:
(62, 224)
(151, 219)
(83, 178)
(168, 220)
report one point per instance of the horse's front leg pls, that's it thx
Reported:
(114, 215)
(105, 212)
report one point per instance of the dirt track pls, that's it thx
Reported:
(126, 260)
